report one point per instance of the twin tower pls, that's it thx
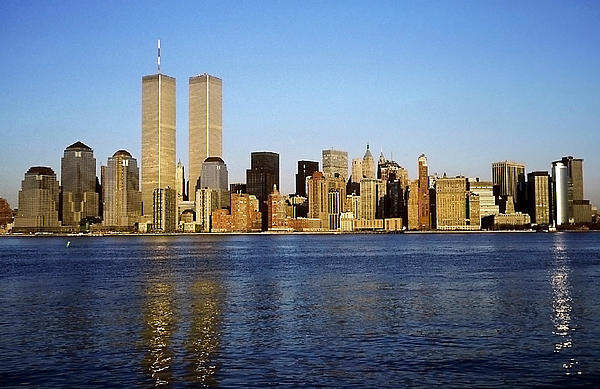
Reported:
(158, 131)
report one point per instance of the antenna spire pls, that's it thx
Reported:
(158, 57)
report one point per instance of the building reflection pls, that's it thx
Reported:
(206, 302)
(562, 305)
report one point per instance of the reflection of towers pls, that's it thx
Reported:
(205, 332)
(159, 325)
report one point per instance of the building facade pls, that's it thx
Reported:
(372, 198)
(164, 210)
(540, 190)
(509, 179)
(158, 137)
(368, 165)
(206, 202)
(305, 170)
(335, 163)
(38, 199)
(451, 203)
(205, 122)
(262, 176)
(121, 190)
(80, 198)
(424, 214)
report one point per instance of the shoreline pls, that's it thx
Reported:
(263, 233)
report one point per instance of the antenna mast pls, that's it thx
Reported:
(158, 57)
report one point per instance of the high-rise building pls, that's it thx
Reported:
(579, 210)
(451, 203)
(388, 170)
(412, 205)
(561, 198)
(205, 122)
(78, 178)
(368, 164)
(214, 174)
(372, 198)
(357, 173)
(305, 170)
(206, 203)
(335, 164)
(424, 214)
(316, 191)
(260, 178)
(245, 215)
(276, 209)
(164, 210)
(539, 187)
(38, 199)
(485, 191)
(334, 209)
(158, 137)
(121, 190)
(509, 178)
(180, 182)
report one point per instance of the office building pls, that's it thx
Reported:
(451, 203)
(38, 199)
(276, 209)
(388, 170)
(261, 177)
(540, 190)
(509, 179)
(412, 205)
(206, 202)
(357, 173)
(485, 191)
(180, 182)
(80, 198)
(335, 164)
(121, 190)
(164, 210)
(423, 193)
(6, 213)
(372, 198)
(578, 209)
(245, 215)
(368, 165)
(205, 122)
(158, 137)
(305, 170)
(214, 174)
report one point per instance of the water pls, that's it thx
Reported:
(478, 310)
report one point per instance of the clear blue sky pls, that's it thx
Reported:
(467, 83)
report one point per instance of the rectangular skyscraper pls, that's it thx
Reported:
(205, 123)
(158, 136)
(261, 178)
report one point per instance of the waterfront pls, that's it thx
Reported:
(335, 310)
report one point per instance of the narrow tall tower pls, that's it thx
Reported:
(158, 135)
(424, 220)
(205, 124)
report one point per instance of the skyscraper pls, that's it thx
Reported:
(158, 137)
(260, 178)
(509, 178)
(205, 122)
(121, 190)
(357, 173)
(539, 197)
(305, 169)
(372, 198)
(424, 219)
(335, 163)
(368, 164)
(38, 199)
(78, 179)
(578, 210)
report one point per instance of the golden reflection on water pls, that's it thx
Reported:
(562, 305)
(205, 332)
(158, 330)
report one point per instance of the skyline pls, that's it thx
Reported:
(449, 85)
